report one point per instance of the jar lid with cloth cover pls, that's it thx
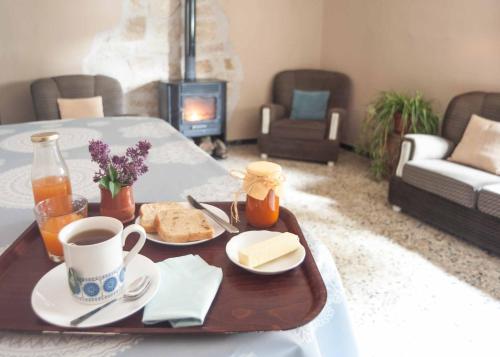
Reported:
(261, 177)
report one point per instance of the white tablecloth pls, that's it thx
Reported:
(177, 168)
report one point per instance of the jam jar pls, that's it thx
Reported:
(263, 186)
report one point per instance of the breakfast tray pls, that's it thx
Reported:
(245, 302)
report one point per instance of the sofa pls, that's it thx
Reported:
(311, 140)
(458, 199)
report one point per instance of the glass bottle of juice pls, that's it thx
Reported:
(49, 173)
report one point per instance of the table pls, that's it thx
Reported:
(177, 168)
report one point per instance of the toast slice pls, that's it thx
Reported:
(148, 213)
(183, 225)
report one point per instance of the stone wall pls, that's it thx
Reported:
(147, 46)
(215, 57)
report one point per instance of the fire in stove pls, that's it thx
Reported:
(199, 109)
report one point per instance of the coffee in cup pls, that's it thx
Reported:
(93, 254)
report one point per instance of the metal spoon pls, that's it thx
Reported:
(134, 291)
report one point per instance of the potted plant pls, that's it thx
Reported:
(116, 175)
(393, 112)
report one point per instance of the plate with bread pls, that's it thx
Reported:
(178, 224)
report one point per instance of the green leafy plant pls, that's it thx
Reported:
(413, 114)
(110, 181)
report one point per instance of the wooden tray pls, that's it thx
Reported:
(245, 302)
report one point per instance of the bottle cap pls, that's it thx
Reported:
(44, 137)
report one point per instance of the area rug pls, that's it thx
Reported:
(412, 290)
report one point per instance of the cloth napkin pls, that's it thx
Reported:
(188, 287)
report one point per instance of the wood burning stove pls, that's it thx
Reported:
(196, 107)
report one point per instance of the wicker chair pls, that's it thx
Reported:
(314, 140)
(458, 199)
(45, 92)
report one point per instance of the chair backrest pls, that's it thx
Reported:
(45, 92)
(337, 83)
(462, 107)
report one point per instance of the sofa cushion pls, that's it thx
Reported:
(299, 129)
(489, 200)
(480, 145)
(452, 181)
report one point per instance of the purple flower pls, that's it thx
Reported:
(99, 152)
(118, 161)
(124, 169)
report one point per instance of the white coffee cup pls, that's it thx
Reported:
(96, 272)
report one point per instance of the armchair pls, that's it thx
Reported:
(314, 140)
(45, 92)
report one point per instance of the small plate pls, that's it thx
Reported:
(277, 266)
(52, 301)
(218, 230)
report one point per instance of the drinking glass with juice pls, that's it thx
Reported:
(53, 214)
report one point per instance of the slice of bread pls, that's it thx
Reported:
(183, 225)
(148, 213)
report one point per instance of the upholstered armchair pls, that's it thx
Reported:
(46, 91)
(313, 140)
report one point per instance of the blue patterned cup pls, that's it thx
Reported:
(96, 272)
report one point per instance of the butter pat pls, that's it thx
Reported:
(269, 249)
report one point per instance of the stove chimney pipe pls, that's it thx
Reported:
(190, 41)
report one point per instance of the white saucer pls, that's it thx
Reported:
(218, 230)
(52, 301)
(277, 266)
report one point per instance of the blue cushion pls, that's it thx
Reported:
(309, 104)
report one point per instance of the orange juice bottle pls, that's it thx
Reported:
(49, 173)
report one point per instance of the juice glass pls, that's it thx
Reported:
(52, 215)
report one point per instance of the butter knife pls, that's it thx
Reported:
(228, 227)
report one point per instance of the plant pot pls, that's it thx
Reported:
(398, 123)
(121, 207)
